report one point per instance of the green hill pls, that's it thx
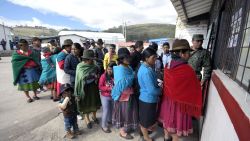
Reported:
(27, 31)
(146, 31)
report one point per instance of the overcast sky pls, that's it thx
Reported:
(85, 14)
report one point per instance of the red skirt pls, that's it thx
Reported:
(173, 120)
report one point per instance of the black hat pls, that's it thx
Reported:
(99, 42)
(88, 54)
(65, 87)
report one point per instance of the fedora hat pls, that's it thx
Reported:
(88, 54)
(65, 87)
(99, 41)
(180, 44)
(67, 42)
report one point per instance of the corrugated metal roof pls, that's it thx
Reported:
(187, 9)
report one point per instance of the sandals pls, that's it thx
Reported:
(127, 137)
(30, 100)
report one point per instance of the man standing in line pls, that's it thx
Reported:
(136, 56)
(200, 58)
(100, 51)
(3, 43)
(166, 56)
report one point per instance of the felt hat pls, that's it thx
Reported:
(67, 42)
(88, 54)
(100, 42)
(180, 44)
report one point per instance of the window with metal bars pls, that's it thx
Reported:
(243, 71)
(233, 40)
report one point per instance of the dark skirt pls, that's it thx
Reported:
(91, 101)
(147, 114)
(125, 114)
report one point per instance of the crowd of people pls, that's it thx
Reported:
(136, 88)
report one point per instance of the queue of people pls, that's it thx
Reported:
(125, 84)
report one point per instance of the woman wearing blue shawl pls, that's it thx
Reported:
(125, 112)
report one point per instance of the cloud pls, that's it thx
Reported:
(104, 14)
(33, 22)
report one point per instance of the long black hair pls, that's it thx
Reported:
(147, 53)
(123, 53)
(110, 65)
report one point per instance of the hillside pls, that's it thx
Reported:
(146, 31)
(26, 31)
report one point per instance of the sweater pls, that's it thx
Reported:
(105, 86)
(70, 64)
(149, 90)
(107, 59)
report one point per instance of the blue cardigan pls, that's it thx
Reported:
(149, 90)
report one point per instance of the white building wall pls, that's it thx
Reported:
(185, 31)
(5, 33)
(108, 38)
(217, 124)
(74, 38)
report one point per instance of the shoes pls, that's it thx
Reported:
(168, 139)
(96, 121)
(106, 130)
(30, 100)
(55, 100)
(79, 117)
(89, 125)
(77, 132)
(127, 137)
(36, 97)
(69, 135)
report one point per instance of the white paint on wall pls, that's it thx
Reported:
(74, 38)
(186, 31)
(5, 33)
(217, 124)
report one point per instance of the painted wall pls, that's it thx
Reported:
(185, 31)
(217, 124)
(5, 32)
(228, 111)
(75, 39)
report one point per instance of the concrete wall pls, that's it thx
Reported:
(228, 113)
(217, 124)
(186, 31)
(5, 33)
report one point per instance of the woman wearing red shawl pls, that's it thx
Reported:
(25, 66)
(181, 94)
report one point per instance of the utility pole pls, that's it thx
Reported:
(125, 31)
(4, 32)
